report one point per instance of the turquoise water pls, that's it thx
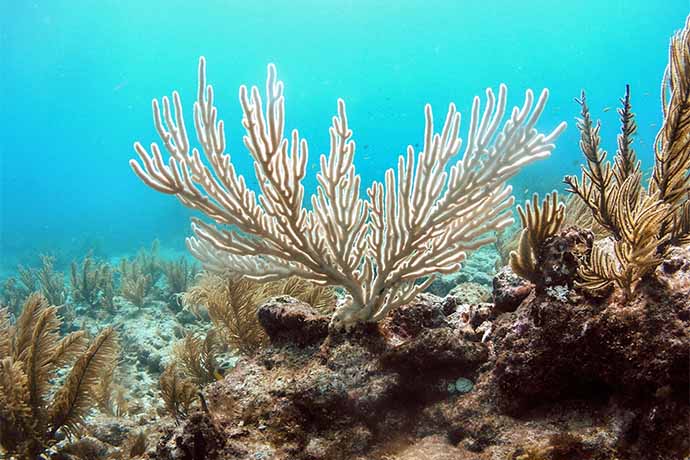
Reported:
(78, 77)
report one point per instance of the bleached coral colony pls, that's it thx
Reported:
(420, 221)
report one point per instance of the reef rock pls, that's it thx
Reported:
(558, 378)
(288, 321)
(471, 293)
(426, 312)
(674, 273)
(509, 290)
(308, 396)
(562, 254)
(477, 269)
(633, 355)
(199, 438)
(112, 430)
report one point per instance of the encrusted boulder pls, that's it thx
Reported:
(350, 383)
(636, 353)
(332, 399)
(562, 254)
(437, 349)
(199, 438)
(674, 272)
(535, 353)
(550, 348)
(286, 320)
(509, 290)
(427, 311)
(471, 293)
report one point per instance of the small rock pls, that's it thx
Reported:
(288, 321)
(562, 254)
(112, 430)
(317, 448)
(471, 293)
(509, 290)
(198, 437)
(426, 311)
(674, 272)
(449, 305)
(480, 313)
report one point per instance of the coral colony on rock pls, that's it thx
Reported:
(339, 327)
(422, 221)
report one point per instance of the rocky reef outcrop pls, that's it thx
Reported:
(628, 360)
(559, 377)
(348, 395)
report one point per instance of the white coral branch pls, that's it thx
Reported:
(420, 221)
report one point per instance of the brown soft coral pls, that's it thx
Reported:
(32, 353)
(538, 224)
(644, 224)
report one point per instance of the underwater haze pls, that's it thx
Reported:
(78, 78)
